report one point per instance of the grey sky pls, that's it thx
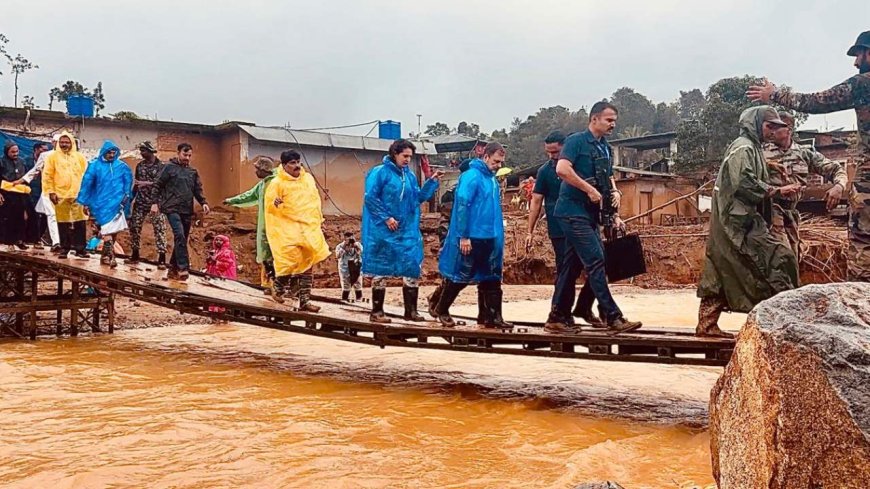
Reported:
(324, 63)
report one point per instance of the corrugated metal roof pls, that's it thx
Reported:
(328, 140)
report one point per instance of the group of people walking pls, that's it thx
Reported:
(58, 191)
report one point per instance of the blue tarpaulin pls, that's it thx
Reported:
(25, 145)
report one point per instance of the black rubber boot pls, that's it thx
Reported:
(161, 261)
(409, 296)
(493, 304)
(377, 315)
(449, 293)
(432, 300)
(484, 315)
(134, 257)
(345, 295)
(357, 295)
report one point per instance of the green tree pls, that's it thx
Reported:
(691, 104)
(634, 110)
(666, 118)
(19, 65)
(437, 129)
(70, 87)
(526, 137)
(126, 115)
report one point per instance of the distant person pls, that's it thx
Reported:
(43, 206)
(145, 195)
(14, 198)
(391, 237)
(37, 223)
(349, 255)
(95, 243)
(106, 192)
(221, 259)
(851, 94)
(61, 180)
(545, 194)
(264, 168)
(474, 249)
(744, 263)
(790, 163)
(176, 187)
(584, 156)
(294, 220)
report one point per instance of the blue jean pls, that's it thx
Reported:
(585, 250)
(180, 225)
(566, 294)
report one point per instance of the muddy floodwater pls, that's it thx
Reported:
(240, 406)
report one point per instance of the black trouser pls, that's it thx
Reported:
(12, 212)
(73, 235)
(585, 299)
(586, 251)
(180, 225)
(488, 298)
(36, 223)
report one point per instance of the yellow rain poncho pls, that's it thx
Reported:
(293, 228)
(62, 175)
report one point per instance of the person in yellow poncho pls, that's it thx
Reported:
(293, 228)
(61, 180)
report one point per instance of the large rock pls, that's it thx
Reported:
(792, 409)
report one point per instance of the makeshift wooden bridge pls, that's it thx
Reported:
(83, 291)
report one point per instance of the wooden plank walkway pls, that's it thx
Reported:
(349, 322)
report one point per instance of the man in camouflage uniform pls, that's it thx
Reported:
(853, 93)
(144, 196)
(789, 163)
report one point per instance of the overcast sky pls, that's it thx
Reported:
(322, 63)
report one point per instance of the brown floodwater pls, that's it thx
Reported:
(239, 406)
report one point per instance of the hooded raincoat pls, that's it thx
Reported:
(294, 227)
(256, 196)
(476, 216)
(222, 259)
(107, 186)
(393, 192)
(62, 176)
(744, 264)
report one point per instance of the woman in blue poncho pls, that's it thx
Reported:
(473, 251)
(391, 238)
(106, 191)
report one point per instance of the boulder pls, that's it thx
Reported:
(792, 408)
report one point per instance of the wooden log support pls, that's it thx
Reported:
(74, 311)
(34, 294)
(58, 325)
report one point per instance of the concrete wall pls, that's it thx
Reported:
(206, 158)
(340, 172)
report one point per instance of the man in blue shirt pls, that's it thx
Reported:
(545, 194)
(578, 210)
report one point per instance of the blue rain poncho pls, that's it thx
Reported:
(393, 192)
(477, 216)
(107, 186)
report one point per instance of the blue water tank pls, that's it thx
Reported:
(390, 130)
(80, 105)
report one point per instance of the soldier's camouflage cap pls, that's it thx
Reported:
(863, 42)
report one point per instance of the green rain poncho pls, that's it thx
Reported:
(743, 263)
(254, 197)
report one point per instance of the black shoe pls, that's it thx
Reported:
(446, 320)
(377, 315)
(345, 296)
(134, 258)
(358, 295)
(409, 297)
(622, 325)
(83, 254)
(161, 261)
(590, 319)
(63, 254)
(183, 275)
(21, 246)
(55, 248)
